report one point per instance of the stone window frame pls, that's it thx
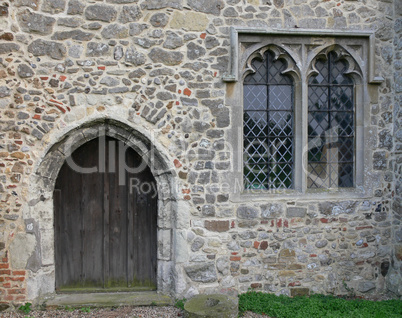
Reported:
(301, 48)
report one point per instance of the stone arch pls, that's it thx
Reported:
(354, 70)
(280, 53)
(40, 214)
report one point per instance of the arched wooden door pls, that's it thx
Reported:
(105, 221)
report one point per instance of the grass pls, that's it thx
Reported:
(180, 303)
(317, 306)
(26, 309)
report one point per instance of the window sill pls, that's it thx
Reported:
(308, 195)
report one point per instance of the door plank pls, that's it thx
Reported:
(68, 223)
(92, 213)
(106, 216)
(132, 252)
(145, 230)
(118, 223)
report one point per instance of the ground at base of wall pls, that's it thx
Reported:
(118, 312)
(127, 311)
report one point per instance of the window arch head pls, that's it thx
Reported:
(268, 123)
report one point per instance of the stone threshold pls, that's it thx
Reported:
(146, 298)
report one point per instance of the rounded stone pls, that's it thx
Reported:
(195, 51)
(53, 6)
(115, 31)
(24, 71)
(321, 244)
(159, 20)
(100, 12)
(130, 14)
(215, 305)
(207, 6)
(35, 23)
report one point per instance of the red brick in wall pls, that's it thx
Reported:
(12, 283)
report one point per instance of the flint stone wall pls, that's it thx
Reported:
(157, 66)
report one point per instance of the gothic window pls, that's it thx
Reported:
(304, 126)
(331, 125)
(268, 134)
(295, 138)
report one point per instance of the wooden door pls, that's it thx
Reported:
(105, 221)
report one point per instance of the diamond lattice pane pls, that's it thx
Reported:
(342, 123)
(280, 97)
(280, 124)
(331, 125)
(256, 151)
(346, 175)
(346, 150)
(281, 150)
(317, 98)
(315, 146)
(317, 123)
(331, 165)
(275, 69)
(255, 176)
(322, 175)
(260, 75)
(323, 70)
(280, 176)
(341, 98)
(255, 124)
(337, 70)
(268, 125)
(316, 172)
(255, 97)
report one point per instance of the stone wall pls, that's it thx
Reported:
(157, 66)
(394, 278)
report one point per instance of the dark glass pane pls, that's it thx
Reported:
(317, 123)
(317, 98)
(256, 151)
(342, 123)
(255, 97)
(255, 176)
(315, 152)
(255, 124)
(281, 150)
(280, 123)
(346, 175)
(341, 98)
(280, 176)
(346, 147)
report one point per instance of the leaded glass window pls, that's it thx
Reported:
(331, 125)
(268, 125)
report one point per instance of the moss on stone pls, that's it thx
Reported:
(204, 306)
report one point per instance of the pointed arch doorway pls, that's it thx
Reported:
(105, 202)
